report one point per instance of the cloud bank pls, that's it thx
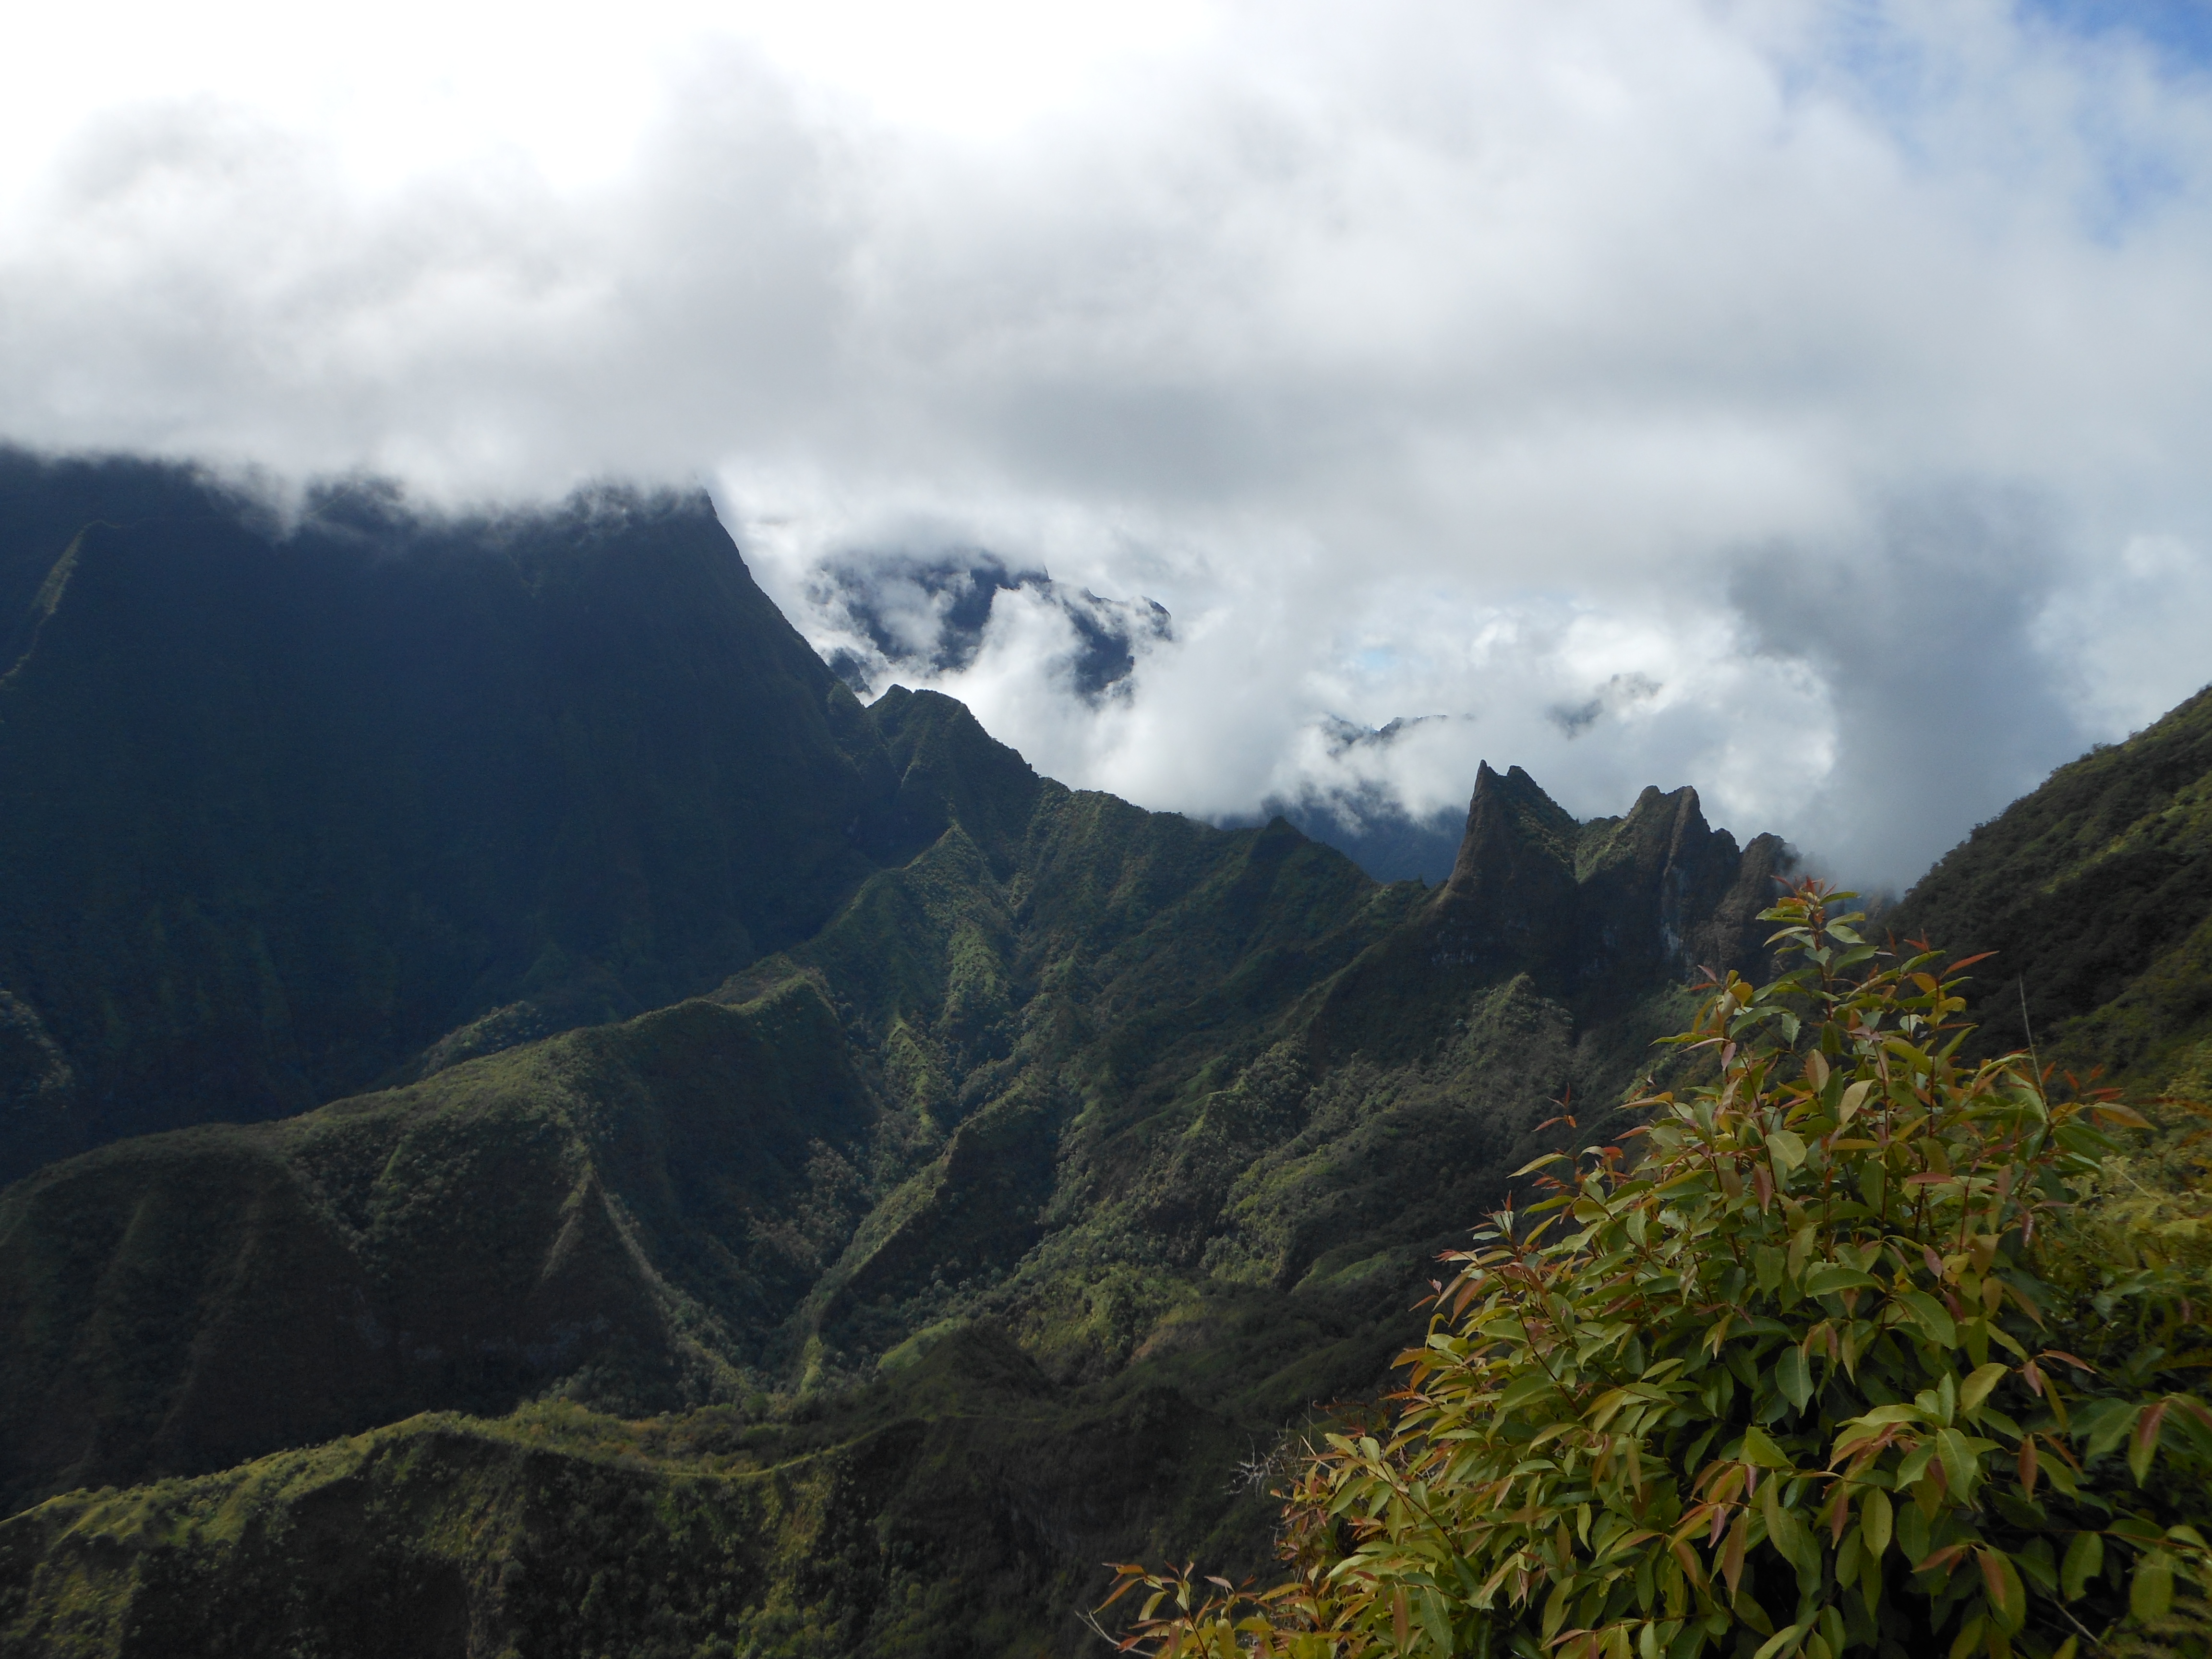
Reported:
(1802, 401)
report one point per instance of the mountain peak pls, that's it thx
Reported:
(1515, 831)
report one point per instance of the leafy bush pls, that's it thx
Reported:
(1786, 1374)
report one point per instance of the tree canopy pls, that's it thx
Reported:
(1810, 1363)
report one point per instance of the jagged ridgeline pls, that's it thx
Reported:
(945, 1180)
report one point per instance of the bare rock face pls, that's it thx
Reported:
(1511, 902)
(1594, 915)
(1587, 909)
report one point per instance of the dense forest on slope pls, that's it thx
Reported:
(852, 1185)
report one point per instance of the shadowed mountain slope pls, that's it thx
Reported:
(279, 807)
(1596, 915)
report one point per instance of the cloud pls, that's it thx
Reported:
(1798, 400)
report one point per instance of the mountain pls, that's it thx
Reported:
(282, 804)
(980, 1188)
(2094, 893)
(1077, 1069)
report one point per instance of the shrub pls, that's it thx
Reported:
(1783, 1373)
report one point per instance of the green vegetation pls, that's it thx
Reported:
(921, 1516)
(630, 1213)
(797, 1181)
(2096, 892)
(1801, 1375)
(1128, 1091)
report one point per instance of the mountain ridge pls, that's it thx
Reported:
(1056, 1159)
(285, 805)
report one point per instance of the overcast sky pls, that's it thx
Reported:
(1807, 402)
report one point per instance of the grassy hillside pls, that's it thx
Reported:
(2096, 892)
(1167, 1120)
(937, 1513)
(632, 1212)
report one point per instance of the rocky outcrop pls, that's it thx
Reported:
(1597, 915)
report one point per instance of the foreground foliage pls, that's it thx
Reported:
(1805, 1374)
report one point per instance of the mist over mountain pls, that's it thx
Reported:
(926, 616)
(567, 1090)
(1805, 364)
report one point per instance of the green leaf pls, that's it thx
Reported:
(1876, 1520)
(1828, 1277)
(1932, 1316)
(1758, 1450)
(1960, 1466)
(2104, 1423)
(1767, 1263)
(2142, 1446)
(1789, 1149)
(2085, 1559)
(1914, 1464)
(2151, 1592)
(1977, 1386)
(1523, 1389)
(1912, 1534)
(1431, 1607)
(1795, 1376)
(1854, 1097)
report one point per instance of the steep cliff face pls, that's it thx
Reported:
(1597, 915)
(1511, 905)
(280, 807)
(1661, 893)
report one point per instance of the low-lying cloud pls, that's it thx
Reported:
(1802, 401)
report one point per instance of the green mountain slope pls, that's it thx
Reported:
(931, 1514)
(982, 1170)
(2096, 892)
(1182, 1112)
(633, 1209)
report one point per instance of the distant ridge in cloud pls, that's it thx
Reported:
(930, 617)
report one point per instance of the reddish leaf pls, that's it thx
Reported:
(1732, 1560)
(1941, 1561)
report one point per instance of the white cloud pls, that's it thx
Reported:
(1800, 400)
